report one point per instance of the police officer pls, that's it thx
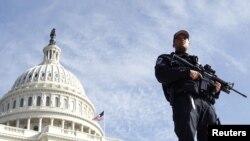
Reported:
(193, 111)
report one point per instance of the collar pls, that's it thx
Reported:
(181, 53)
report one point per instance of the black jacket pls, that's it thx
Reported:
(174, 74)
(175, 77)
(168, 71)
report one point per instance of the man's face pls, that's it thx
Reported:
(181, 43)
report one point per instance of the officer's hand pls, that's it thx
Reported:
(217, 86)
(195, 75)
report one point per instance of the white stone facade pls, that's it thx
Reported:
(48, 103)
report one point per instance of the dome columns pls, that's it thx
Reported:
(40, 124)
(51, 54)
(17, 123)
(37, 124)
(28, 124)
(52, 51)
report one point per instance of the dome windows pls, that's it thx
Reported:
(30, 101)
(56, 77)
(49, 75)
(38, 101)
(36, 76)
(54, 74)
(21, 102)
(8, 106)
(57, 102)
(24, 79)
(14, 104)
(72, 106)
(65, 103)
(43, 74)
(47, 101)
(2, 107)
(30, 76)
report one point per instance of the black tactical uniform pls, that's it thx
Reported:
(192, 111)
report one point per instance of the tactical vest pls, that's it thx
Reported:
(201, 88)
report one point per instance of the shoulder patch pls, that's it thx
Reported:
(163, 59)
(159, 61)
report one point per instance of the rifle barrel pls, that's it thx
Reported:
(239, 93)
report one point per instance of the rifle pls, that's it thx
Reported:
(209, 73)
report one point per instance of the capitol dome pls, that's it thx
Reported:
(48, 102)
(50, 71)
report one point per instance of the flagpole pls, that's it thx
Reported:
(104, 126)
(99, 118)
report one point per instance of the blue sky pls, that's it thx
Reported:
(112, 46)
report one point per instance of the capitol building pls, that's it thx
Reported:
(48, 103)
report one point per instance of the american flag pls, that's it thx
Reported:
(99, 117)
